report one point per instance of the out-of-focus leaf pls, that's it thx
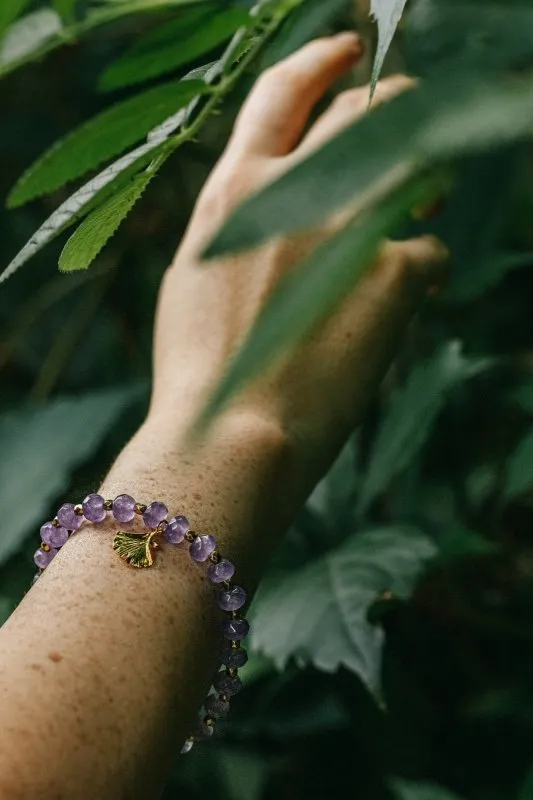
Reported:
(461, 542)
(409, 790)
(334, 497)
(427, 125)
(306, 22)
(522, 394)
(526, 790)
(319, 614)
(411, 413)
(103, 137)
(387, 14)
(520, 468)
(309, 293)
(5, 609)
(65, 8)
(93, 233)
(468, 284)
(27, 34)
(174, 44)
(45, 444)
(97, 191)
(9, 11)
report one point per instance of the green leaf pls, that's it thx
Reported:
(65, 8)
(308, 294)
(9, 11)
(526, 790)
(477, 278)
(427, 125)
(93, 233)
(172, 45)
(27, 34)
(45, 444)
(411, 414)
(387, 14)
(409, 790)
(111, 180)
(307, 21)
(319, 613)
(103, 137)
(520, 468)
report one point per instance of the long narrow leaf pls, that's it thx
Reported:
(388, 14)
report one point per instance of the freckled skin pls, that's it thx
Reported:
(107, 665)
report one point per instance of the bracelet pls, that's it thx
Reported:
(137, 550)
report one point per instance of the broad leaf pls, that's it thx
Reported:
(90, 196)
(467, 284)
(308, 294)
(9, 11)
(411, 414)
(520, 468)
(65, 8)
(45, 444)
(93, 233)
(27, 35)
(387, 14)
(409, 790)
(306, 22)
(427, 125)
(174, 44)
(319, 613)
(103, 137)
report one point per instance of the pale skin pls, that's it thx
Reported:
(103, 667)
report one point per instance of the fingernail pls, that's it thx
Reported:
(351, 39)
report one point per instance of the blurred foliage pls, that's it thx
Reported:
(393, 639)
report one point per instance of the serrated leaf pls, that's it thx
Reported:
(103, 137)
(9, 11)
(411, 414)
(91, 195)
(172, 45)
(93, 233)
(437, 120)
(520, 468)
(318, 614)
(27, 34)
(410, 790)
(134, 548)
(45, 444)
(387, 14)
(308, 294)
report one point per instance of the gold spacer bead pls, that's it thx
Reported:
(163, 525)
(226, 584)
(78, 509)
(235, 645)
(45, 547)
(232, 672)
(140, 508)
(108, 505)
(215, 557)
(56, 523)
(224, 698)
(190, 536)
(234, 614)
(209, 721)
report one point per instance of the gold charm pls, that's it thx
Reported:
(135, 548)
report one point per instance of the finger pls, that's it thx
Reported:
(349, 106)
(276, 112)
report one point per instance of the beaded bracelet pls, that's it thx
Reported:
(137, 550)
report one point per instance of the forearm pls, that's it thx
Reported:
(94, 634)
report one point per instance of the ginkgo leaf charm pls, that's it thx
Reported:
(134, 548)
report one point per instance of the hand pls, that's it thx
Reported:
(205, 312)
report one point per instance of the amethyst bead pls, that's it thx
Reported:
(68, 517)
(235, 629)
(234, 657)
(55, 537)
(216, 707)
(231, 599)
(93, 508)
(124, 508)
(43, 557)
(187, 746)
(227, 684)
(176, 529)
(202, 547)
(223, 571)
(154, 514)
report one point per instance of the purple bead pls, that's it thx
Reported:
(234, 656)
(176, 529)
(68, 517)
(223, 571)
(235, 629)
(43, 557)
(154, 514)
(124, 508)
(202, 547)
(227, 684)
(93, 508)
(216, 707)
(187, 746)
(55, 537)
(35, 578)
(231, 599)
